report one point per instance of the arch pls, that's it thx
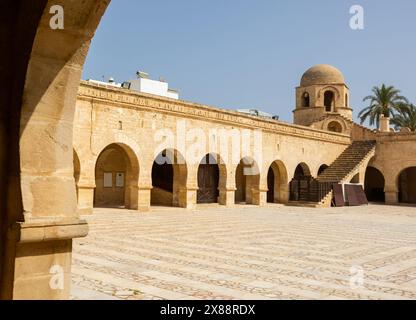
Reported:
(247, 181)
(306, 100)
(169, 178)
(212, 175)
(300, 184)
(329, 101)
(335, 126)
(116, 177)
(43, 67)
(277, 183)
(374, 185)
(322, 168)
(407, 186)
(302, 170)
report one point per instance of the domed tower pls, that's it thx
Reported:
(322, 92)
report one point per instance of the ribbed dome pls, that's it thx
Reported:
(322, 74)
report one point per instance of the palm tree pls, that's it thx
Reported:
(384, 101)
(406, 118)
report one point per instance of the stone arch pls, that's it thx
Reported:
(277, 183)
(116, 177)
(44, 66)
(212, 177)
(335, 126)
(247, 180)
(374, 185)
(169, 179)
(407, 185)
(300, 184)
(322, 168)
(329, 100)
(302, 170)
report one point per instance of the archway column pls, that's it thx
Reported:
(187, 197)
(259, 196)
(45, 222)
(392, 195)
(228, 188)
(86, 198)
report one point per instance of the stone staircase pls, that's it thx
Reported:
(343, 169)
(348, 162)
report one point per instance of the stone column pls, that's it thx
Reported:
(187, 197)
(392, 195)
(86, 198)
(144, 194)
(227, 196)
(39, 242)
(259, 196)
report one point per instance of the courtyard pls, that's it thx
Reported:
(247, 252)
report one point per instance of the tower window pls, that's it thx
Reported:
(329, 101)
(306, 100)
(335, 126)
(346, 101)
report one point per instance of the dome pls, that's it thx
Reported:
(322, 74)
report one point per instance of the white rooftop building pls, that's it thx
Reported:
(146, 85)
(143, 84)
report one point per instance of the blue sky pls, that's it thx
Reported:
(252, 53)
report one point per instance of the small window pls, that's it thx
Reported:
(335, 126)
(329, 101)
(306, 100)
(346, 101)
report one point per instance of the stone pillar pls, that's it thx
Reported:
(144, 194)
(259, 196)
(39, 242)
(227, 196)
(392, 195)
(384, 124)
(187, 197)
(86, 199)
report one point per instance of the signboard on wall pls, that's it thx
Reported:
(120, 180)
(108, 179)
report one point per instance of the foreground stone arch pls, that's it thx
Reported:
(44, 80)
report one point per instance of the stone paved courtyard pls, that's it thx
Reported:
(248, 253)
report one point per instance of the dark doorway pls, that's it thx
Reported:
(208, 180)
(407, 186)
(162, 181)
(270, 186)
(300, 186)
(374, 185)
